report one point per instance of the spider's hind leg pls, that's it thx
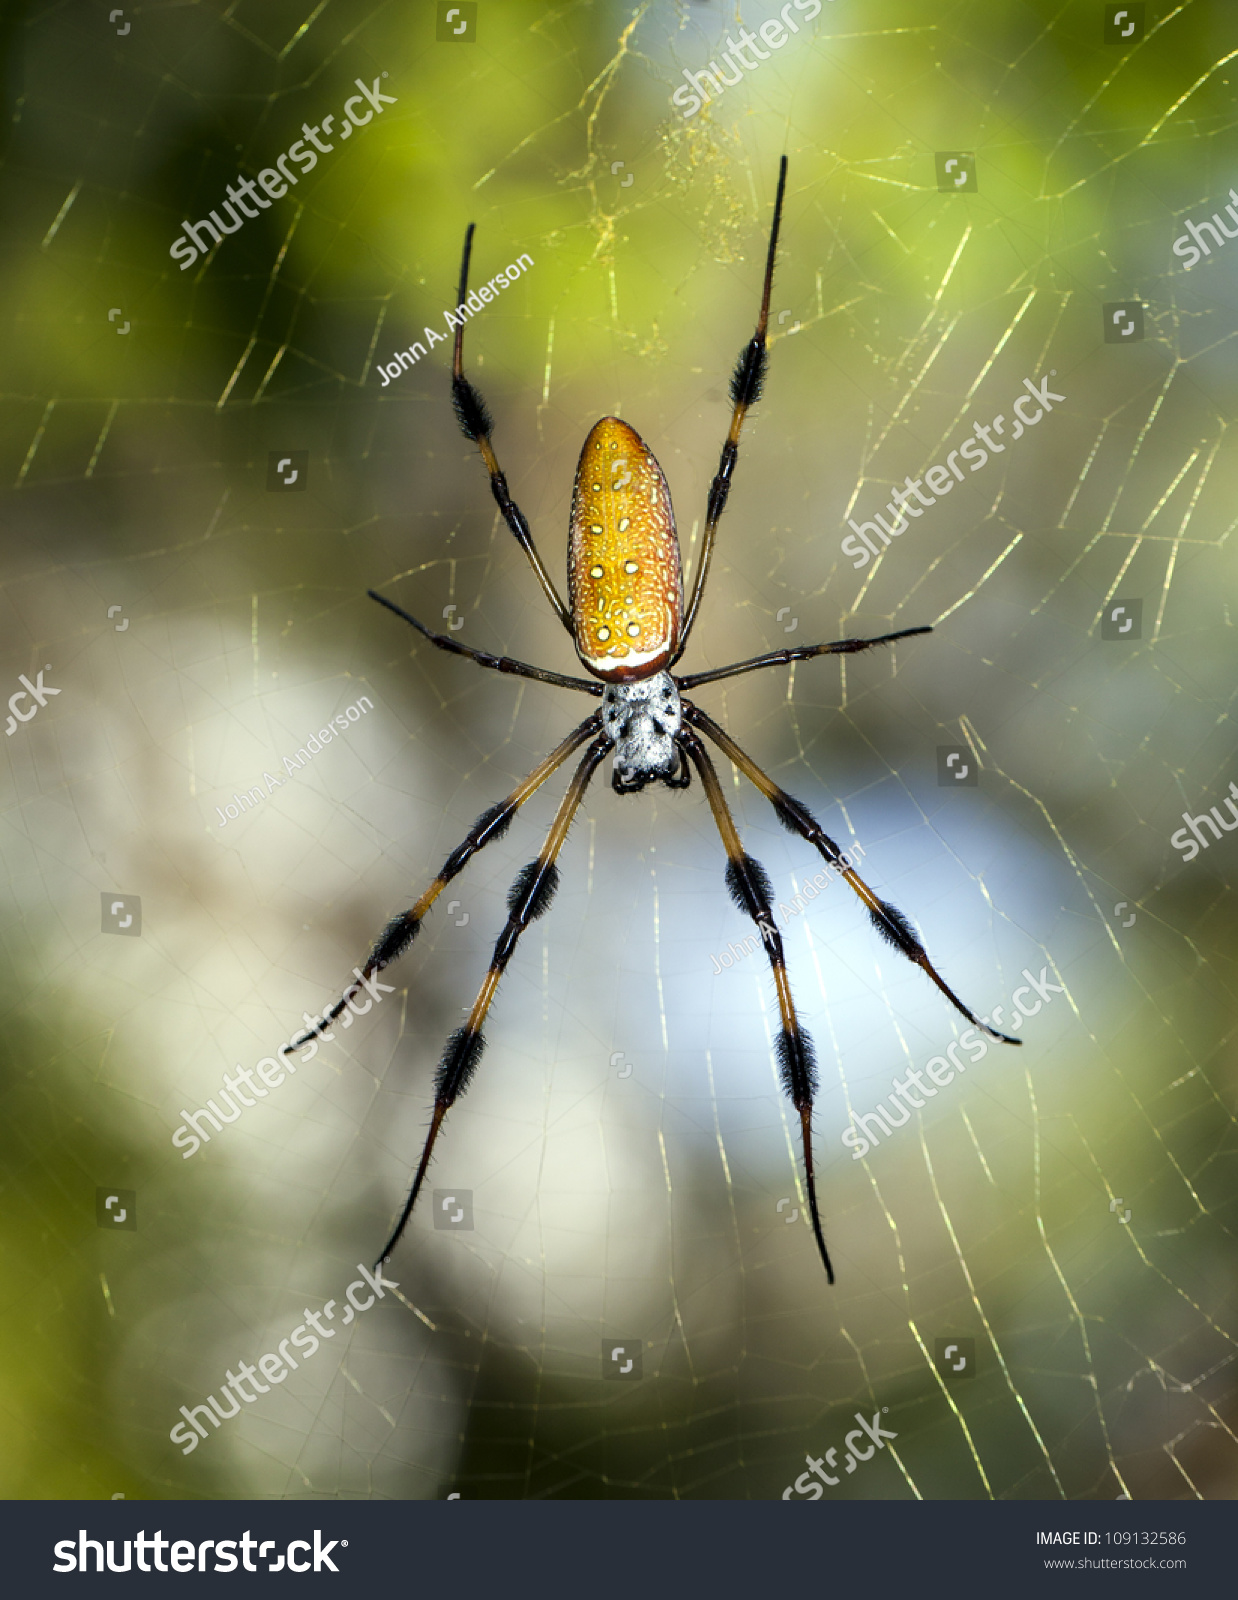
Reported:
(529, 899)
(888, 920)
(751, 890)
(403, 928)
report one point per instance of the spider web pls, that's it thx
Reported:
(633, 1167)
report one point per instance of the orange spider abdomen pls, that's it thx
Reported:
(624, 579)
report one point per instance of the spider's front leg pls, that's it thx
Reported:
(529, 899)
(747, 381)
(803, 652)
(483, 658)
(752, 892)
(477, 425)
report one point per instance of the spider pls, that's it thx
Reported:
(629, 624)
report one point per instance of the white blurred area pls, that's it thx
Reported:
(607, 1202)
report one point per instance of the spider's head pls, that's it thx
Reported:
(643, 718)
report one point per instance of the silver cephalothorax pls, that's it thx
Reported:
(643, 719)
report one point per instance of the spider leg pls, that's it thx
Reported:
(403, 929)
(746, 384)
(476, 424)
(529, 899)
(888, 920)
(751, 890)
(803, 652)
(483, 658)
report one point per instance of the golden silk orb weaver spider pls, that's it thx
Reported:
(629, 623)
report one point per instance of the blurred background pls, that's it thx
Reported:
(633, 1169)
